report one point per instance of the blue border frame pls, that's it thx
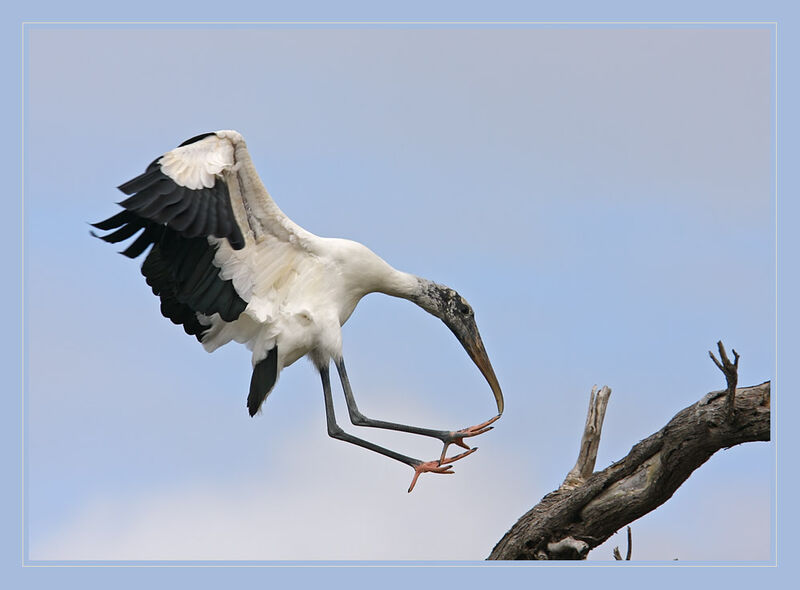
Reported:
(785, 207)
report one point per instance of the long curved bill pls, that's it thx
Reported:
(476, 351)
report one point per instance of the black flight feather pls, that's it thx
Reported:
(177, 221)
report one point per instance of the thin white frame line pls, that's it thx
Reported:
(24, 24)
(399, 23)
(409, 564)
(22, 292)
(773, 398)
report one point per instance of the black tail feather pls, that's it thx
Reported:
(263, 380)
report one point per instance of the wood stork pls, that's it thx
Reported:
(227, 264)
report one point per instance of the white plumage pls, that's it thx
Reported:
(300, 288)
(230, 266)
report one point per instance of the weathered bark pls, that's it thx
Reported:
(571, 521)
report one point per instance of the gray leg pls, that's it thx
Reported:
(447, 437)
(335, 431)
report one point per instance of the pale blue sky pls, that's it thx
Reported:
(603, 197)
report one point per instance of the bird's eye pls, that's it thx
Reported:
(464, 309)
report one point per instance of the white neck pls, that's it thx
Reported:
(399, 284)
(372, 274)
(416, 289)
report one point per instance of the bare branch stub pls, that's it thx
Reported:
(731, 372)
(617, 555)
(630, 545)
(590, 441)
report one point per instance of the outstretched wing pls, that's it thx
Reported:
(208, 218)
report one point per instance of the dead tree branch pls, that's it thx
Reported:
(588, 508)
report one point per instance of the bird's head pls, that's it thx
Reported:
(457, 314)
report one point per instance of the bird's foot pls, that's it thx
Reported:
(457, 437)
(441, 466)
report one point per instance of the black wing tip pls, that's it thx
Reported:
(114, 221)
(151, 176)
(107, 239)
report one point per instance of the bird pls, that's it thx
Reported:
(228, 265)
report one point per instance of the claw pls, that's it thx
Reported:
(428, 467)
(437, 466)
(460, 455)
(457, 437)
